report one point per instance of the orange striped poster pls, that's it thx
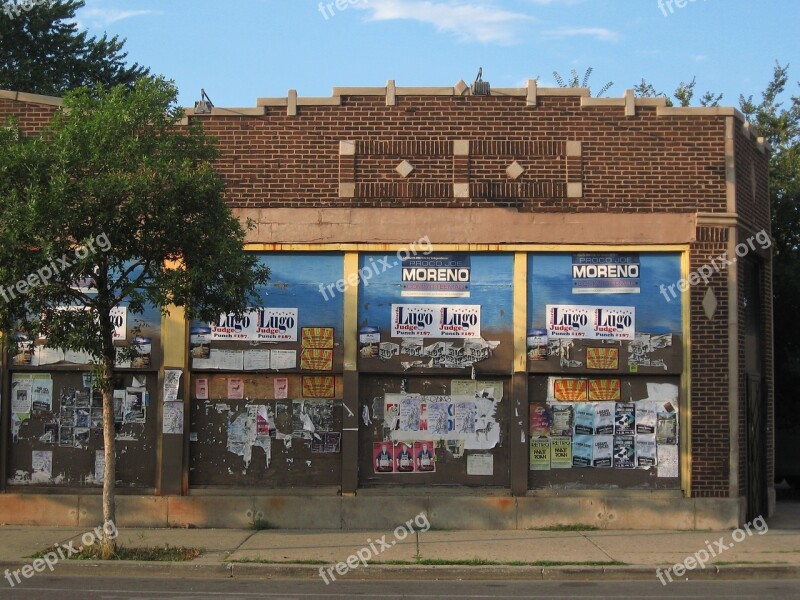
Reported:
(316, 337)
(604, 389)
(602, 358)
(318, 386)
(570, 390)
(316, 359)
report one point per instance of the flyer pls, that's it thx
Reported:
(541, 420)
(604, 418)
(602, 451)
(583, 450)
(646, 455)
(563, 419)
(624, 418)
(540, 454)
(584, 418)
(561, 452)
(645, 417)
(624, 452)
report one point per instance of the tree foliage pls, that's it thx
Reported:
(113, 190)
(42, 52)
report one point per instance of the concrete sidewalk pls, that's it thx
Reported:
(533, 554)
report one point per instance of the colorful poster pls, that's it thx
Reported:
(561, 452)
(601, 390)
(605, 273)
(603, 359)
(404, 457)
(316, 337)
(541, 420)
(435, 276)
(540, 454)
(383, 457)
(569, 390)
(582, 450)
(424, 457)
(200, 342)
(436, 320)
(602, 451)
(624, 452)
(604, 418)
(318, 386)
(316, 359)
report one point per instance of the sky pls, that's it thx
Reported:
(241, 50)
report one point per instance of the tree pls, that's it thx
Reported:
(42, 51)
(135, 204)
(575, 81)
(780, 126)
(684, 94)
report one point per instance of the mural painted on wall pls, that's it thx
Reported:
(454, 316)
(603, 312)
(297, 327)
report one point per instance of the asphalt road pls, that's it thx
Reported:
(108, 588)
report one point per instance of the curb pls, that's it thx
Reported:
(404, 572)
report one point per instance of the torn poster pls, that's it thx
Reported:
(41, 466)
(172, 379)
(668, 460)
(99, 465)
(310, 417)
(173, 417)
(241, 437)
(42, 396)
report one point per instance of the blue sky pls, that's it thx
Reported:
(239, 50)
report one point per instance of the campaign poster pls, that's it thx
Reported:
(435, 276)
(404, 458)
(424, 457)
(383, 457)
(606, 273)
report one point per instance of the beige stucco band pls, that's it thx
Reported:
(462, 226)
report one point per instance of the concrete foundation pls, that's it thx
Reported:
(467, 511)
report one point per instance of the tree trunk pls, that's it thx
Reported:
(108, 545)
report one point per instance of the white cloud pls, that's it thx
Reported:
(601, 34)
(469, 21)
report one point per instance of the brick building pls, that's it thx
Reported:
(507, 310)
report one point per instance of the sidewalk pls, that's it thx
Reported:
(531, 554)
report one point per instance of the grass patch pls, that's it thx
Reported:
(567, 527)
(723, 563)
(259, 524)
(165, 553)
(443, 562)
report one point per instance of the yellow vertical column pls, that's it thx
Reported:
(172, 469)
(686, 384)
(518, 417)
(350, 376)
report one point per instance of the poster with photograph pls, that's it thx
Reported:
(424, 457)
(563, 419)
(383, 457)
(404, 457)
(541, 420)
(42, 396)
